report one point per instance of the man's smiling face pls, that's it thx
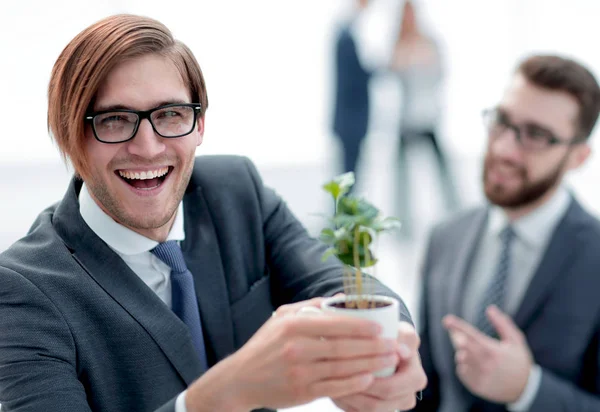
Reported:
(141, 182)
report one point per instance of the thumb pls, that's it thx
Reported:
(506, 328)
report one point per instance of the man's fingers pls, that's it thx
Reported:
(293, 308)
(468, 348)
(408, 380)
(348, 367)
(313, 349)
(364, 402)
(458, 339)
(328, 326)
(344, 348)
(454, 324)
(337, 388)
(461, 356)
(465, 371)
(408, 338)
(506, 328)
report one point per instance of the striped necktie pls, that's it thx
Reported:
(184, 301)
(496, 290)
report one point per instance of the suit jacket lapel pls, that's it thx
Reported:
(557, 255)
(113, 275)
(202, 256)
(462, 258)
(459, 263)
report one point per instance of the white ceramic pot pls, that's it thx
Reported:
(387, 316)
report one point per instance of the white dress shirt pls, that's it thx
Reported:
(134, 249)
(532, 235)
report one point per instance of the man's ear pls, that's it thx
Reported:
(200, 130)
(579, 155)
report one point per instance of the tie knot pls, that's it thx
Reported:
(170, 253)
(507, 234)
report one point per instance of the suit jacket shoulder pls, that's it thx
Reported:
(216, 170)
(576, 219)
(449, 231)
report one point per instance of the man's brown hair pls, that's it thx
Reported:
(566, 75)
(86, 61)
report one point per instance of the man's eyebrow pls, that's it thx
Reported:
(539, 126)
(117, 107)
(529, 123)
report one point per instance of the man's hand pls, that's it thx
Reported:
(397, 391)
(298, 307)
(292, 360)
(496, 370)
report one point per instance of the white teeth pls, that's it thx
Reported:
(150, 174)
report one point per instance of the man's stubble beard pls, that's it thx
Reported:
(113, 207)
(528, 193)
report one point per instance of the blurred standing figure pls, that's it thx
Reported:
(417, 61)
(351, 116)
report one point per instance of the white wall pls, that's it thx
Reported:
(264, 64)
(267, 64)
(268, 68)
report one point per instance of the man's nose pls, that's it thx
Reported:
(506, 143)
(146, 142)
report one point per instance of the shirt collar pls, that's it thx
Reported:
(536, 227)
(120, 238)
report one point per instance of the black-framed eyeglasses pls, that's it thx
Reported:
(530, 136)
(168, 121)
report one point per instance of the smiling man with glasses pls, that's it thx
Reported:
(151, 285)
(510, 290)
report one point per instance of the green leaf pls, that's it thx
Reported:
(346, 249)
(331, 236)
(345, 180)
(348, 259)
(367, 210)
(333, 188)
(343, 233)
(353, 206)
(389, 223)
(340, 185)
(327, 235)
(347, 221)
(328, 253)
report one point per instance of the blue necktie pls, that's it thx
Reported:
(184, 301)
(496, 292)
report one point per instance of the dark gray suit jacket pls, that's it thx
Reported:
(559, 314)
(80, 331)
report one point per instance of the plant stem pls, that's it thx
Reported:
(367, 263)
(358, 274)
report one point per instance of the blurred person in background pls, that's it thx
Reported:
(152, 284)
(510, 309)
(417, 61)
(351, 104)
